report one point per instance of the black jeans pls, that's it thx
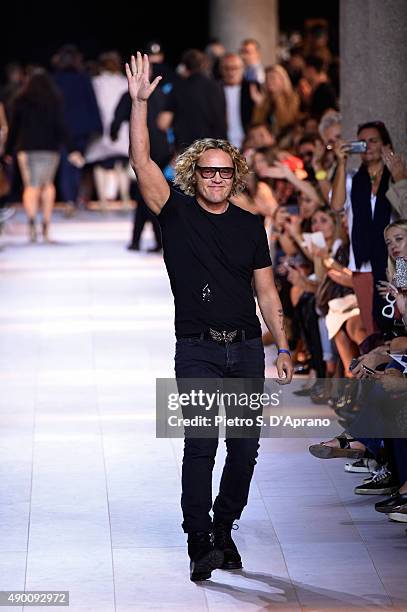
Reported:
(195, 358)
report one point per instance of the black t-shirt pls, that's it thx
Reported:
(210, 260)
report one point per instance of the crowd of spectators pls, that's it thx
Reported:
(338, 237)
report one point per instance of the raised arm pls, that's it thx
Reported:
(280, 170)
(153, 186)
(338, 198)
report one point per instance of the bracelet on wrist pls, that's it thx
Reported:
(282, 351)
(321, 175)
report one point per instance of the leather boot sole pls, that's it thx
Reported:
(203, 567)
(322, 451)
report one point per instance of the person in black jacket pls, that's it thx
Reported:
(37, 133)
(195, 106)
(81, 115)
(323, 96)
(238, 101)
(160, 152)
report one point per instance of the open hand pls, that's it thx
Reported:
(138, 77)
(257, 95)
(395, 164)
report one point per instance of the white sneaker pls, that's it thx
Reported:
(362, 465)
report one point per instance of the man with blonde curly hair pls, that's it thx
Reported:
(213, 250)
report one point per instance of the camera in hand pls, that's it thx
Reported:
(356, 146)
(400, 279)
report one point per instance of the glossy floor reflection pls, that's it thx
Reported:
(89, 498)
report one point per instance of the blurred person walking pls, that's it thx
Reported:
(81, 114)
(212, 250)
(37, 133)
(110, 159)
(160, 153)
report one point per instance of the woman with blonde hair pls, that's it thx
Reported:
(278, 103)
(395, 236)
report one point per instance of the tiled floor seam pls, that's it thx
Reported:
(362, 539)
(31, 479)
(101, 434)
(281, 550)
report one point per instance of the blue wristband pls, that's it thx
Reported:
(284, 351)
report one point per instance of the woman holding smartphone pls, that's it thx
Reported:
(395, 236)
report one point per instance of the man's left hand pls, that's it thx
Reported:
(285, 368)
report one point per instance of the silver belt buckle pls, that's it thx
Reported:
(222, 337)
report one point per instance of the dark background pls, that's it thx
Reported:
(32, 31)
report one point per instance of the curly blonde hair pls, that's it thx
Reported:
(186, 163)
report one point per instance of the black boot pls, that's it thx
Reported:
(45, 231)
(32, 230)
(204, 557)
(223, 541)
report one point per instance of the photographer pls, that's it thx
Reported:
(369, 211)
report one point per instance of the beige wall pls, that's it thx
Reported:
(233, 20)
(373, 50)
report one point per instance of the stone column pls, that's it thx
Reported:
(233, 20)
(373, 77)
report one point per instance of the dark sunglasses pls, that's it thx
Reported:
(208, 172)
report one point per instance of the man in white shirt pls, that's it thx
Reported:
(239, 105)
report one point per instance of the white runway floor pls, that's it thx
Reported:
(89, 498)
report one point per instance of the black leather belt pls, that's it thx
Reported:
(222, 336)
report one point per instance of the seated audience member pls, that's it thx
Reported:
(259, 135)
(390, 477)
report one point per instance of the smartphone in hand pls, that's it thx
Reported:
(368, 371)
(353, 364)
